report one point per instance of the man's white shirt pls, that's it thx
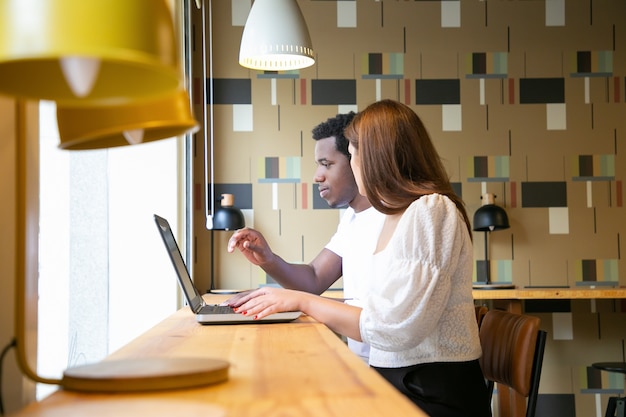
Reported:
(355, 241)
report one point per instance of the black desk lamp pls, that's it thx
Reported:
(488, 218)
(227, 217)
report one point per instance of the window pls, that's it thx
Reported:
(104, 275)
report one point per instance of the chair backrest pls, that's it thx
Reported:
(480, 313)
(513, 349)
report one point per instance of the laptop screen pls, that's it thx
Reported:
(191, 293)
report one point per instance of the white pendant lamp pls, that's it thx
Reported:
(276, 37)
(83, 52)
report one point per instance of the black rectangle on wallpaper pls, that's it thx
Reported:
(457, 187)
(548, 306)
(589, 270)
(562, 405)
(583, 61)
(438, 91)
(585, 165)
(481, 270)
(241, 192)
(544, 194)
(479, 63)
(271, 167)
(231, 91)
(375, 62)
(481, 167)
(594, 378)
(333, 92)
(541, 90)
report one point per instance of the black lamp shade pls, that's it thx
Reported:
(490, 217)
(228, 218)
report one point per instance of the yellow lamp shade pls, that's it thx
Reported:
(87, 51)
(95, 127)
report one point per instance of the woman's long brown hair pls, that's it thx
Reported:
(399, 162)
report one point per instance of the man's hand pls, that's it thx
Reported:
(252, 244)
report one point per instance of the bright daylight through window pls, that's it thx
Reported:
(104, 276)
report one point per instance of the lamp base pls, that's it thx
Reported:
(224, 291)
(145, 374)
(492, 286)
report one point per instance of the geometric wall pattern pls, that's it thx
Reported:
(382, 66)
(279, 169)
(593, 380)
(523, 99)
(597, 272)
(488, 168)
(593, 167)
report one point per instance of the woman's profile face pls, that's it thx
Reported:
(355, 164)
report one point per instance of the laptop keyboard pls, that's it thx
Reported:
(216, 309)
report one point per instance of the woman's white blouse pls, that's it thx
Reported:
(419, 308)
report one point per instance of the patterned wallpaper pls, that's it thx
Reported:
(524, 99)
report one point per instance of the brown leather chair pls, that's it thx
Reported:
(512, 357)
(480, 313)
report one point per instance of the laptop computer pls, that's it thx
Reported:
(207, 313)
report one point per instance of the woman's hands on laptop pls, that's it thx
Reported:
(235, 299)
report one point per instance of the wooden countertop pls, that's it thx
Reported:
(534, 293)
(292, 369)
(549, 293)
(289, 369)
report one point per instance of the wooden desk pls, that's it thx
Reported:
(510, 299)
(289, 369)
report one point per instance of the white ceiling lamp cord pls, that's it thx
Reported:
(208, 144)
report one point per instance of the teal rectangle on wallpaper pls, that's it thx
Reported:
(611, 270)
(502, 166)
(293, 167)
(396, 63)
(504, 270)
(500, 63)
(605, 61)
(607, 165)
